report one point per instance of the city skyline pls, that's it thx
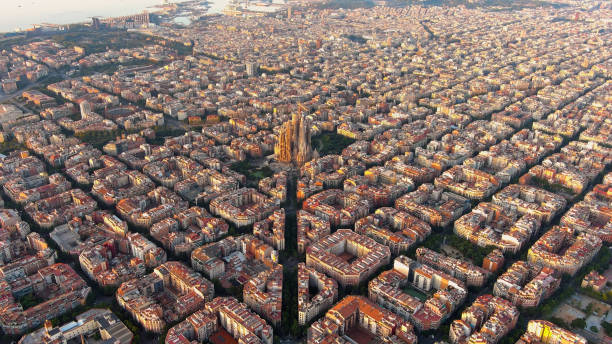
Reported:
(309, 171)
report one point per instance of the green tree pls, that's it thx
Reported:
(558, 321)
(162, 337)
(607, 327)
(109, 290)
(578, 323)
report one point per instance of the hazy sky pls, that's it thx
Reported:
(24, 13)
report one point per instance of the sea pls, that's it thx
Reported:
(22, 14)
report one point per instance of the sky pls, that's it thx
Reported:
(23, 14)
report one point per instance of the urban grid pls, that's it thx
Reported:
(310, 171)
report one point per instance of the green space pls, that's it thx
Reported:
(233, 231)
(559, 322)
(75, 116)
(569, 285)
(99, 138)
(109, 290)
(59, 99)
(601, 296)
(8, 41)
(161, 132)
(95, 41)
(556, 188)
(356, 39)
(467, 249)
(289, 321)
(235, 290)
(251, 172)
(348, 4)
(111, 68)
(30, 300)
(600, 264)
(330, 143)
(416, 293)
(101, 41)
(607, 327)
(578, 323)
(51, 79)
(9, 146)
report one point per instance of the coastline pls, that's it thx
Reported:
(64, 15)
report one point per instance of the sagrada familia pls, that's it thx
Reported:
(293, 144)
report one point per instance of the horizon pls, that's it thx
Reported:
(21, 15)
